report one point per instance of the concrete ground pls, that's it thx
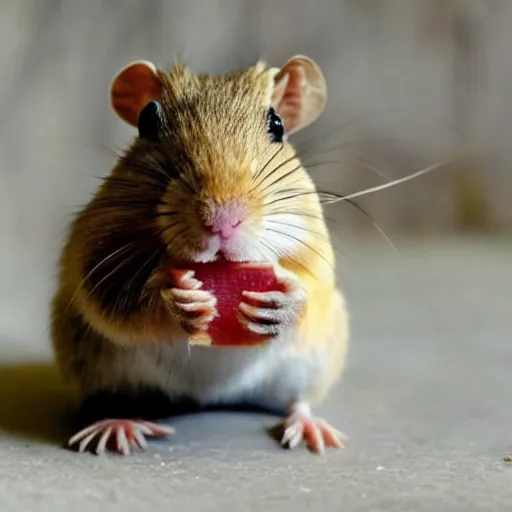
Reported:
(425, 401)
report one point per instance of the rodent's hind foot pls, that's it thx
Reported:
(118, 435)
(316, 433)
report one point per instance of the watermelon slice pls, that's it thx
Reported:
(226, 281)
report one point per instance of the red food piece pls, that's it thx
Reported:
(226, 281)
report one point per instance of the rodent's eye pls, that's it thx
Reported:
(150, 118)
(275, 126)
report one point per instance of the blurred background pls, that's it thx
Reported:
(411, 83)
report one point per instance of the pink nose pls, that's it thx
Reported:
(225, 219)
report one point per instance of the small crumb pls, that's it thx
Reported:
(508, 458)
(380, 468)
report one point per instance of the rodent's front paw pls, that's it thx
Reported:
(272, 312)
(194, 308)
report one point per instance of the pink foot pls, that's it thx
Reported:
(315, 432)
(127, 435)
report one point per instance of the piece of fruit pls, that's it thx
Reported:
(226, 281)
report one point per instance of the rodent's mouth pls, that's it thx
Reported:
(209, 250)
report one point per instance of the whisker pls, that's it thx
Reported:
(301, 228)
(93, 270)
(305, 244)
(295, 169)
(359, 142)
(291, 258)
(322, 236)
(269, 249)
(158, 253)
(328, 133)
(356, 161)
(281, 178)
(89, 275)
(334, 198)
(293, 211)
(305, 214)
(290, 197)
(267, 246)
(258, 174)
(274, 249)
(110, 274)
(319, 217)
(273, 171)
(374, 223)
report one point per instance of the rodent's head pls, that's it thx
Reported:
(211, 172)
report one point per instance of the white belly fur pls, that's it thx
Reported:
(270, 375)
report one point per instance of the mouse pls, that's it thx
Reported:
(210, 175)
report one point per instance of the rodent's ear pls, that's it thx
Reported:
(133, 88)
(300, 93)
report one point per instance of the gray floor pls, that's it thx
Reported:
(425, 402)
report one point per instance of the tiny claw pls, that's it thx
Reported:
(122, 441)
(140, 439)
(198, 307)
(316, 433)
(126, 435)
(292, 436)
(271, 299)
(84, 443)
(187, 296)
(102, 443)
(190, 282)
(258, 328)
(185, 279)
(156, 430)
(259, 314)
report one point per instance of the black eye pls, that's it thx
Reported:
(275, 126)
(149, 122)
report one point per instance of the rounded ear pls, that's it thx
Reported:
(300, 93)
(133, 88)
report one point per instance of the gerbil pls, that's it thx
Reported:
(211, 174)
